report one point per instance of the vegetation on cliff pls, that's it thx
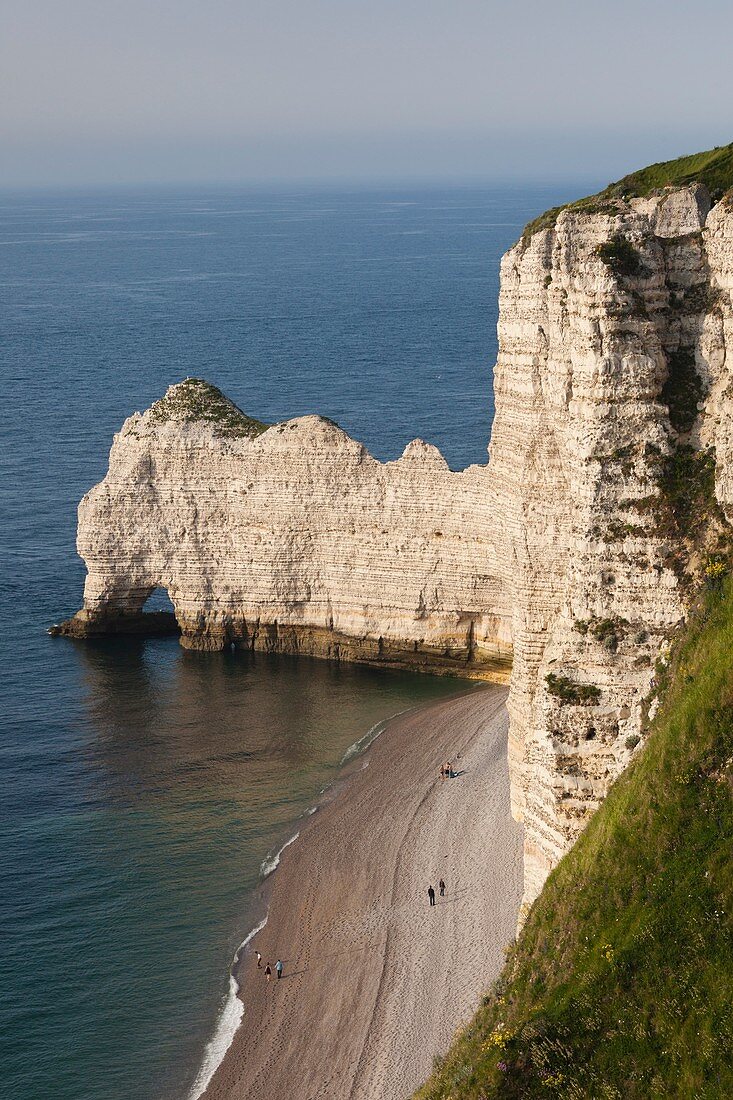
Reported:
(621, 256)
(567, 691)
(712, 168)
(193, 399)
(683, 390)
(619, 985)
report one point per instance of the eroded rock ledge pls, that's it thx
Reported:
(611, 445)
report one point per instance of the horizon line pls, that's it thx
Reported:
(312, 182)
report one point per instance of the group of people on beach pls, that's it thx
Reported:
(268, 968)
(431, 892)
(446, 772)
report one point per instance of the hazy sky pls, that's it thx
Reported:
(222, 90)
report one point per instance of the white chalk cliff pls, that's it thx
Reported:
(293, 539)
(569, 549)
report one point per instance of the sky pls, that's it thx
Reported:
(143, 91)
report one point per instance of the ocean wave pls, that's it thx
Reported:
(227, 1024)
(371, 735)
(269, 864)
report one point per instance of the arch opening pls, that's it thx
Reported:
(157, 613)
(158, 601)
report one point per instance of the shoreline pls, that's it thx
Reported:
(230, 1016)
(492, 664)
(227, 1024)
(347, 912)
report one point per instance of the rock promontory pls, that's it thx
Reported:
(291, 538)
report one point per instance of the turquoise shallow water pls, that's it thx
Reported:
(142, 786)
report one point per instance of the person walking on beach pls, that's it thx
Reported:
(279, 969)
(268, 972)
(441, 887)
(431, 895)
(259, 960)
(449, 770)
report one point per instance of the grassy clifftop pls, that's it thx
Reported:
(193, 399)
(620, 984)
(713, 169)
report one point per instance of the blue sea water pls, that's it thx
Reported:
(143, 787)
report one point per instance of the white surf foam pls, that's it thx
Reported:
(269, 864)
(370, 736)
(229, 1020)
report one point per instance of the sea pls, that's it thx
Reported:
(145, 792)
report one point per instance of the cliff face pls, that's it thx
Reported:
(612, 326)
(572, 545)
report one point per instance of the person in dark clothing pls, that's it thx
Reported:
(268, 972)
(431, 895)
(441, 887)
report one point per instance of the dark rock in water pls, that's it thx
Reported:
(141, 624)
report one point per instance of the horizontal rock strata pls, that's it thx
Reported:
(579, 447)
(294, 540)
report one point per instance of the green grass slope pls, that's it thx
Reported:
(621, 984)
(713, 169)
(194, 399)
